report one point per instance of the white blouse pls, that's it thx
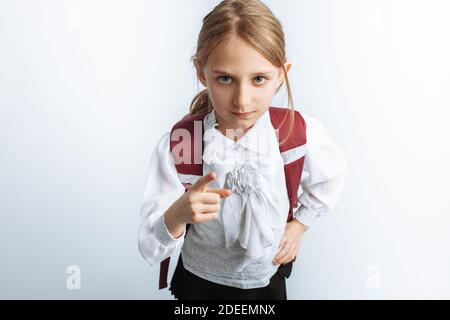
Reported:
(237, 249)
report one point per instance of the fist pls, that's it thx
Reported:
(200, 203)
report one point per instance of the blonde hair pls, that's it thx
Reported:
(255, 23)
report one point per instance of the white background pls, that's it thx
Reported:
(88, 87)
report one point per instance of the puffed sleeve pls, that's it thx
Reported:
(163, 187)
(323, 176)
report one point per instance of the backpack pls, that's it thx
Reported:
(292, 151)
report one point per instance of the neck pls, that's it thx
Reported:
(228, 130)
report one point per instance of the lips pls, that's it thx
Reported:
(242, 114)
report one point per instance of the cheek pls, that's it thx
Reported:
(219, 96)
(265, 95)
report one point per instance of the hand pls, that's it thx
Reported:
(201, 204)
(290, 242)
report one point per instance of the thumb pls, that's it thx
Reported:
(201, 184)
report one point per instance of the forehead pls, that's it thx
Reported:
(236, 56)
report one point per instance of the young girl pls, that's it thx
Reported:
(238, 244)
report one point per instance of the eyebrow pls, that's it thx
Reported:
(253, 74)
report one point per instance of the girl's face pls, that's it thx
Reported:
(241, 83)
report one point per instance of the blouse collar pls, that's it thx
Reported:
(260, 139)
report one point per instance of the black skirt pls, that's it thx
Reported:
(187, 286)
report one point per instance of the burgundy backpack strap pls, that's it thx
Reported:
(186, 145)
(292, 150)
(163, 272)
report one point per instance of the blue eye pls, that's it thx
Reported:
(260, 77)
(222, 77)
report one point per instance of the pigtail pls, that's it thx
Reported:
(201, 103)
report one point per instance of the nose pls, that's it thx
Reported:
(242, 98)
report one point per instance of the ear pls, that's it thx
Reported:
(287, 66)
(200, 74)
